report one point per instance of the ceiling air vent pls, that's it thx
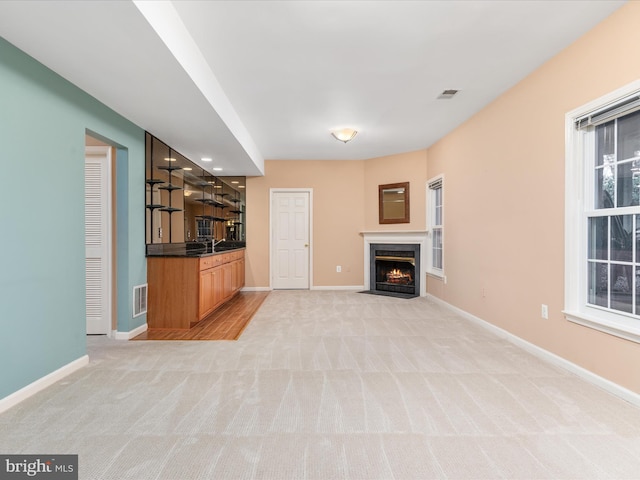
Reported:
(446, 94)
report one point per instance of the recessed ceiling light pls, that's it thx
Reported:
(447, 94)
(206, 159)
(235, 181)
(240, 186)
(187, 168)
(218, 186)
(217, 169)
(170, 159)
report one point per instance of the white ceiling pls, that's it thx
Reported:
(243, 81)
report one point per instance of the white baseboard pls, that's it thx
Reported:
(42, 383)
(131, 334)
(330, 287)
(608, 385)
(339, 287)
(255, 289)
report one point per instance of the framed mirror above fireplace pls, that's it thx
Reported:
(393, 203)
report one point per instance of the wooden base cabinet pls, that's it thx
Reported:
(183, 290)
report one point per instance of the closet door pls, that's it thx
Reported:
(97, 240)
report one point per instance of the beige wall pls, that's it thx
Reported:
(345, 203)
(338, 203)
(504, 200)
(405, 167)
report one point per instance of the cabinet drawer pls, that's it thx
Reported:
(206, 263)
(210, 262)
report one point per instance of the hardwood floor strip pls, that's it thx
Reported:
(226, 323)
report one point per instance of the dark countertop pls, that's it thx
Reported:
(188, 250)
(195, 255)
(215, 252)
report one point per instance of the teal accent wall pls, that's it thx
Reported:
(43, 120)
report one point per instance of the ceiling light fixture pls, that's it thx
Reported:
(344, 134)
(206, 159)
(217, 169)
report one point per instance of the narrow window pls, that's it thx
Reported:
(435, 222)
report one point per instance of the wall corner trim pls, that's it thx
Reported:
(15, 398)
(541, 353)
(130, 334)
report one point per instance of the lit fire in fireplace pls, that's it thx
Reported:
(398, 276)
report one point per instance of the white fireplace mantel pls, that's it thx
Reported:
(397, 237)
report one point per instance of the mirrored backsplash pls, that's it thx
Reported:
(185, 204)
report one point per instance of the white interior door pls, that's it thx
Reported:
(98, 239)
(290, 245)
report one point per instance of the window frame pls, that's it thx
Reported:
(431, 225)
(579, 191)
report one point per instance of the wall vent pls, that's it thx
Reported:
(139, 300)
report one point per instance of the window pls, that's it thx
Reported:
(602, 214)
(435, 224)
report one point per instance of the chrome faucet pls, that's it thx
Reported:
(214, 243)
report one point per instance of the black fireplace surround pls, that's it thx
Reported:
(394, 269)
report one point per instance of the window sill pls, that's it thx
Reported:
(612, 327)
(439, 275)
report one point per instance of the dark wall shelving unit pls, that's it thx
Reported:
(185, 204)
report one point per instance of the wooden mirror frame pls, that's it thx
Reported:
(383, 215)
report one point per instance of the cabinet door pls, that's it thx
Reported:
(240, 273)
(234, 277)
(217, 287)
(206, 293)
(227, 278)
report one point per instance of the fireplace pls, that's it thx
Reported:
(395, 269)
(407, 240)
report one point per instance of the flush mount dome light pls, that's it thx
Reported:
(344, 134)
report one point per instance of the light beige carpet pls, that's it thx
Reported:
(330, 385)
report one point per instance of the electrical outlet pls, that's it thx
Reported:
(338, 268)
(545, 311)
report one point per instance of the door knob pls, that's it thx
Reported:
(306, 244)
